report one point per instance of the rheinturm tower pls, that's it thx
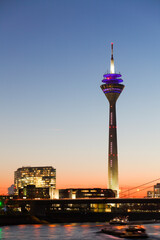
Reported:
(112, 88)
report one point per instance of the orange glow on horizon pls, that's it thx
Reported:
(125, 192)
(74, 182)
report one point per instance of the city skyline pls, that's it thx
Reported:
(53, 55)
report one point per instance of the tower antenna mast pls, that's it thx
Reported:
(112, 69)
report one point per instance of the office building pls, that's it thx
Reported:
(29, 181)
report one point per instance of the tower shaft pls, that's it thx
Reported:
(112, 151)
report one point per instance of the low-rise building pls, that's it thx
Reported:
(86, 193)
(11, 190)
(150, 194)
(157, 190)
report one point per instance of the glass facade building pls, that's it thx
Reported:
(40, 177)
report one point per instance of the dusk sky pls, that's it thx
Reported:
(53, 54)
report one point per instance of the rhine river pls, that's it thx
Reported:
(74, 231)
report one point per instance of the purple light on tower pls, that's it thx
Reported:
(112, 88)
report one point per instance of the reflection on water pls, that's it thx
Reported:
(75, 231)
(0, 233)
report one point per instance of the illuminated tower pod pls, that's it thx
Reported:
(112, 89)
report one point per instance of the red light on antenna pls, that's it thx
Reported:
(111, 43)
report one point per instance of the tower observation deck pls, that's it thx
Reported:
(112, 88)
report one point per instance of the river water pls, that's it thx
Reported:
(74, 231)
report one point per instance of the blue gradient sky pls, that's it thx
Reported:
(53, 55)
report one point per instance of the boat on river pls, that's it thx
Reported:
(119, 221)
(129, 232)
